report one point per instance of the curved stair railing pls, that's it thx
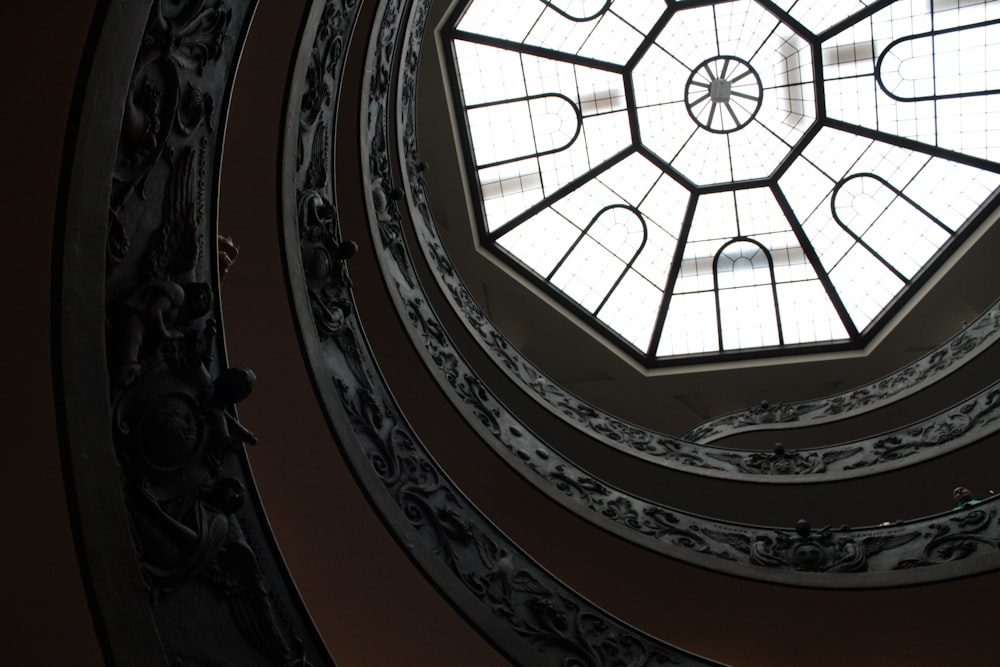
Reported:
(523, 610)
(180, 564)
(392, 461)
(939, 363)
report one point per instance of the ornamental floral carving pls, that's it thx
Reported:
(216, 593)
(415, 483)
(440, 525)
(172, 97)
(932, 367)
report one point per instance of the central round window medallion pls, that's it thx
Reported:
(723, 94)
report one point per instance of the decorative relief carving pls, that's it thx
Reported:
(323, 251)
(431, 505)
(825, 550)
(439, 523)
(562, 627)
(935, 365)
(971, 419)
(970, 533)
(782, 462)
(850, 459)
(216, 594)
(169, 98)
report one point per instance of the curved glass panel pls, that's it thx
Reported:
(745, 296)
(513, 130)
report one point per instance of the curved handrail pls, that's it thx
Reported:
(182, 563)
(962, 424)
(345, 374)
(528, 614)
(932, 367)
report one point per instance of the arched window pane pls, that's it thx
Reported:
(745, 291)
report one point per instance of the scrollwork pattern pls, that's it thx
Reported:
(558, 626)
(173, 95)
(957, 538)
(962, 348)
(179, 445)
(957, 427)
(431, 505)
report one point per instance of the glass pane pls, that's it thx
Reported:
(617, 161)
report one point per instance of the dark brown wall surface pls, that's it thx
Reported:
(45, 619)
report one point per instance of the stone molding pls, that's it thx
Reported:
(179, 559)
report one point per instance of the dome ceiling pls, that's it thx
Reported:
(733, 178)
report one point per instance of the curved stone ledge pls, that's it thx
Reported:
(934, 366)
(180, 561)
(511, 600)
(393, 461)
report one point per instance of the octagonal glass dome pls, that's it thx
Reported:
(738, 178)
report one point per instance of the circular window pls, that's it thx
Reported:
(723, 94)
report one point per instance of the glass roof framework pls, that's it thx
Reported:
(740, 178)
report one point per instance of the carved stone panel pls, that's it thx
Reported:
(212, 579)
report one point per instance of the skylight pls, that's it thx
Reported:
(740, 177)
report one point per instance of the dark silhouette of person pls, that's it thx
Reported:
(963, 498)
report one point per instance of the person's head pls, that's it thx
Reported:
(961, 495)
(233, 385)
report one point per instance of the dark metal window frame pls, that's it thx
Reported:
(774, 286)
(707, 125)
(528, 98)
(586, 231)
(578, 19)
(856, 338)
(922, 35)
(859, 237)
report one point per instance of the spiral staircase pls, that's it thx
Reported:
(426, 470)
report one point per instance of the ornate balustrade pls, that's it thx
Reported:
(517, 605)
(394, 461)
(936, 365)
(181, 563)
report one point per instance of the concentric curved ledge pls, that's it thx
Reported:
(178, 555)
(961, 349)
(528, 614)
(353, 390)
